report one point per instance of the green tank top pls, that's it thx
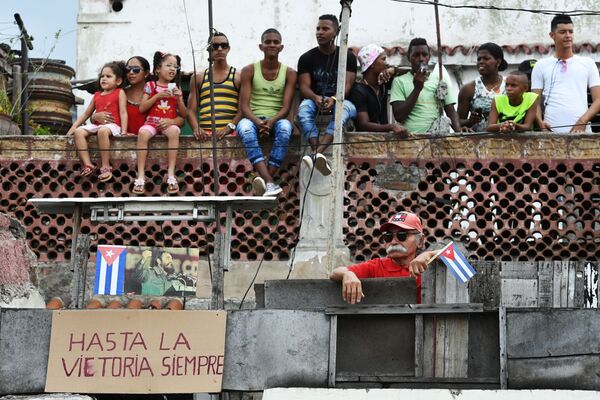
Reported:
(507, 112)
(267, 96)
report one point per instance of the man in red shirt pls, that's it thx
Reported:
(404, 235)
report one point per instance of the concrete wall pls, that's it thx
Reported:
(144, 26)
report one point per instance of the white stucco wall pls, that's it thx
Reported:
(144, 26)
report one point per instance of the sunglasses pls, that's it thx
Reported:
(401, 236)
(217, 46)
(135, 70)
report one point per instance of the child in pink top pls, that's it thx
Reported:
(163, 101)
(111, 99)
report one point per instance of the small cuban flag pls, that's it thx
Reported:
(110, 270)
(456, 261)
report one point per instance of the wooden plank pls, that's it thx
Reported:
(485, 286)
(556, 279)
(428, 285)
(503, 349)
(579, 284)
(332, 349)
(519, 292)
(552, 332)
(440, 284)
(571, 284)
(456, 345)
(440, 348)
(406, 309)
(429, 345)
(80, 255)
(574, 372)
(519, 270)
(545, 283)
(410, 379)
(419, 345)
(456, 292)
(564, 282)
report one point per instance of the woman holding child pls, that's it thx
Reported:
(475, 98)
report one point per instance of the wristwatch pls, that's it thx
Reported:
(231, 126)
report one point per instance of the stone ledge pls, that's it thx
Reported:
(531, 145)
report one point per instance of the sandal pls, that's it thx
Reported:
(172, 186)
(139, 186)
(105, 174)
(87, 170)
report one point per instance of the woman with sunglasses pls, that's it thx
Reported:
(226, 85)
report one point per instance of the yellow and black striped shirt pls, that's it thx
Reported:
(226, 101)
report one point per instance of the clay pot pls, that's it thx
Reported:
(114, 304)
(55, 303)
(174, 305)
(155, 304)
(135, 304)
(93, 304)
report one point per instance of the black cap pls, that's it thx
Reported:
(527, 66)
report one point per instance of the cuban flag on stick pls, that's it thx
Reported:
(110, 270)
(456, 261)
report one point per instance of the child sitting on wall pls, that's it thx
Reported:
(515, 110)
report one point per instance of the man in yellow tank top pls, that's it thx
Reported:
(265, 99)
(226, 83)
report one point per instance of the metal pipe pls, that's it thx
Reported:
(439, 37)
(217, 299)
(25, 45)
(335, 240)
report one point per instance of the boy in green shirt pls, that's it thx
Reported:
(515, 110)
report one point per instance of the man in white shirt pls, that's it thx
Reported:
(563, 80)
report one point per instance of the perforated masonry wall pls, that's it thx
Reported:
(501, 206)
(499, 210)
(254, 233)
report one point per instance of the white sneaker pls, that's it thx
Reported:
(322, 165)
(258, 186)
(308, 161)
(273, 189)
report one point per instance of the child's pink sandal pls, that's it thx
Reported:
(105, 174)
(87, 170)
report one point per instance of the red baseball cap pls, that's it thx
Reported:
(404, 220)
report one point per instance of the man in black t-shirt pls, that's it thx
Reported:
(317, 77)
(370, 95)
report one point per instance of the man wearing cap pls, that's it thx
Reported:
(370, 95)
(404, 236)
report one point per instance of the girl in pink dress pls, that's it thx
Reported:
(163, 100)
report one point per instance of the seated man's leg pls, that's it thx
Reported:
(283, 131)
(248, 132)
(306, 117)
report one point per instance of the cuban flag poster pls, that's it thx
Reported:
(456, 262)
(110, 270)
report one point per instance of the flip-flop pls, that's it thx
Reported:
(172, 186)
(87, 170)
(105, 174)
(139, 186)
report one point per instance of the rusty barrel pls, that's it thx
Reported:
(50, 93)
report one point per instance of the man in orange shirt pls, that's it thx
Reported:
(404, 235)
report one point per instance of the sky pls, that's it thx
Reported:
(43, 19)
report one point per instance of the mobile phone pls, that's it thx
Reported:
(171, 86)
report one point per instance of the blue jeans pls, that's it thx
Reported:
(306, 117)
(249, 134)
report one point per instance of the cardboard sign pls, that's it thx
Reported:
(136, 351)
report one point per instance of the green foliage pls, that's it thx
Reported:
(40, 130)
(7, 108)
